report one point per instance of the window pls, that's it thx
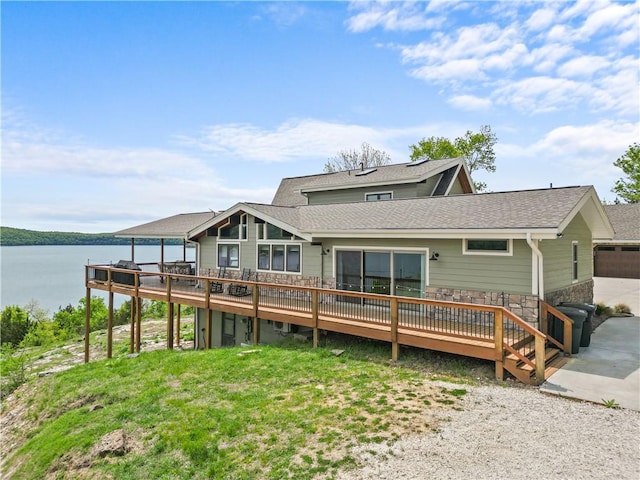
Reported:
(487, 247)
(279, 257)
(229, 255)
(574, 248)
(374, 197)
(236, 230)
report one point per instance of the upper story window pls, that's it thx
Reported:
(487, 247)
(237, 230)
(267, 231)
(376, 196)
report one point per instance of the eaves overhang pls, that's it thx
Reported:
(497, 234)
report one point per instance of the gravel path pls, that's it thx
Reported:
(515, 433)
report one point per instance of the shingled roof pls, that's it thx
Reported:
(625, 219)
(545, 212)
(176, 226)
(290, 192)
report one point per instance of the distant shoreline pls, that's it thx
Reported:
(17, 237)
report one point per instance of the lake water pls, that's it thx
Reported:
(54, 275)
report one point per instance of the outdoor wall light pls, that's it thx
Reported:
(434, 256)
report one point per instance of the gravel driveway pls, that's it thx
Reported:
(515, 433)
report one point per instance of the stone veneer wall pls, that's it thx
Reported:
(577, 293)
(525, 306)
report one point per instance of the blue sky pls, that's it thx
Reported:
(115, 114)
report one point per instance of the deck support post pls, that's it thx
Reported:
(540, 359)
(110, 327)
(170, 326)
(255, 294)
(207, 330)
(394, 328)
(314, 316)
(178, 326)
(138, 322)
(87, 325)
(132, 322)
(498, 336)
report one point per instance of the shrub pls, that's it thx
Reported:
(13, 370)
(602, 310)
(621, 308)
(14, 325)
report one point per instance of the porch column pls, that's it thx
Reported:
(178, 326)
(314, 316)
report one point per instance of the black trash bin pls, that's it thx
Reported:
(587, 328)
(578, 316)
(124, 277)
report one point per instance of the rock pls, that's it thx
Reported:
(132, 355)
(93, 408)
(114, 443)
(337, 352)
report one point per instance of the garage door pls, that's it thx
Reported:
(619, 261)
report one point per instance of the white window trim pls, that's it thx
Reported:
(285, 243)
(234, 242)
(575, 262)
(491, 253)
(366, 194)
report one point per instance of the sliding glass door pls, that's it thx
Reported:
(383, 272)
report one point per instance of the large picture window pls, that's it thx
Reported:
(279, 257)
(229, 255)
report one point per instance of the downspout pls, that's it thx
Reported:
(538, 273)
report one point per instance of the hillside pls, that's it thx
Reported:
(246, 413)
(20, 237)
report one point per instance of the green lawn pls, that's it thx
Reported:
(273, 413)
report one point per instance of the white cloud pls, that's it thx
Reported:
(392, 16)
(294, 139)
(584, 66)
(469, 102)
(522, 51)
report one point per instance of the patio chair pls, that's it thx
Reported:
(218, 287)
(241, 290)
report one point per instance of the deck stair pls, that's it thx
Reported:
(522, 365)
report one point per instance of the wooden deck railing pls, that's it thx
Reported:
(548, 315)
(482, 331)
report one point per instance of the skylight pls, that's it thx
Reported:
(366, 172)
(418, 162)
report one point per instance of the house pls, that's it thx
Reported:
(619, 256)
(406, 253)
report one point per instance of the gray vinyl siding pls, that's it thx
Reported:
(558, 256)
(456, 188)
(358, 194)
(425, 189)
(510, 274)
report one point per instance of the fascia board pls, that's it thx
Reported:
(243, 207)
(594, 214)
(173, 236)
(499, 234)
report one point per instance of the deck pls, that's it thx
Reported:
(480, 331)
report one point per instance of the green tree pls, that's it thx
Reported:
(14, 325)
(367, 157)
(475, 147)
(628, 188)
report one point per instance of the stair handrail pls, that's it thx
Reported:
(567, 343)
(539, 345)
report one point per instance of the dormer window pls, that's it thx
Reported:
(377, 196)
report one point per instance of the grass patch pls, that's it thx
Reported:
(289, 412)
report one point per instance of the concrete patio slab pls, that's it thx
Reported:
(612, 291)
(609, 369)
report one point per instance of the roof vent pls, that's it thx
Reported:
(366, 172)
(418, 162)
